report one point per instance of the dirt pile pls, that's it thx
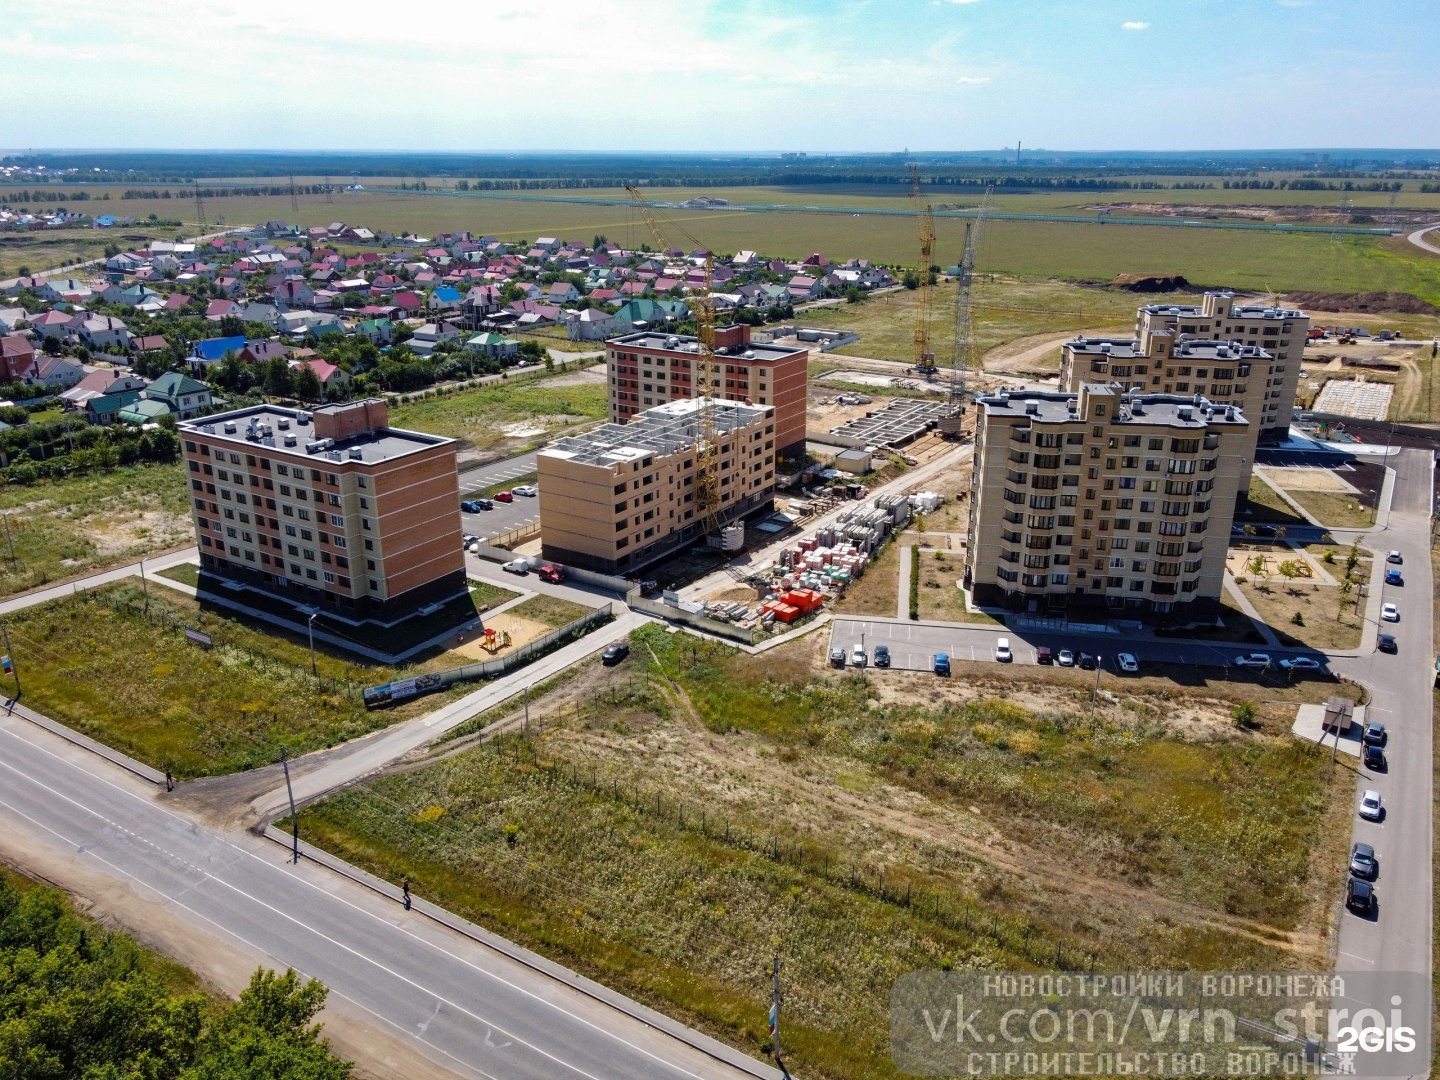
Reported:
(1394, 303)
(1150, 283)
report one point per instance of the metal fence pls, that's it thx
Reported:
(392, 693)
(671, 613)
(515, 536)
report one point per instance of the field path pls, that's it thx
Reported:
(1037, 354)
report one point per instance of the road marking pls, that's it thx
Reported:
(1362, 959)
(185, 822)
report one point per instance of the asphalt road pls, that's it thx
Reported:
(469, 1008)
(505, 516)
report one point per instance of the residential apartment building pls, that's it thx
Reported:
(650, 368)
(622, 496)
(331, 508)
(1104, 502)
(1171, 352)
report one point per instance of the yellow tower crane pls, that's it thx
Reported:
(924, 354)
(707, 377)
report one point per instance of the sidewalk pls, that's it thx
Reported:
(94, 581)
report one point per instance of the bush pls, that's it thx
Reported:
(1298, 619)
(1245, 714)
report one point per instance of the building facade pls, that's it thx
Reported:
(622, 496)
(1104, 503)
(331, 508)
(650, 368)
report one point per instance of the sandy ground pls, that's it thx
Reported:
(1039, 354)
(823, 414)
(587, 377)
(522, 631)
(1309, 480)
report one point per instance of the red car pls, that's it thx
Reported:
(504, 496)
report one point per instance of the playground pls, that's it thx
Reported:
(499, 634)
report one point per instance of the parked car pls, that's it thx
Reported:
(1254, 659)
(552, 574)
(1360, 896)
(1363, 863)
(517, 566)
(837, 657)
(1373, 757)
(473, 547)
(504, 496)
(484, 504)
(882, 655)
(470, 506)
(1065, 658)
(1088, 662)
(1390, 612)
(1264, 530)
(1386, 643)
(1393, 577)
(528, 490)
(1375, 734)
(942, 664)
(1371, 806)
(1043, 655)
(1300, 663)
(466, 539)
(858, 657)
(1127, 662)
(1395, 557)
(613, 654)
(1002, 650)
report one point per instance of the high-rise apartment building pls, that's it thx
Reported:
(1103, 502)
(331, 508)
(650, 368)
(623, 495)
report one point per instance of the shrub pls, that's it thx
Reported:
(1244, 714)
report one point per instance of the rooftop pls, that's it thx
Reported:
(665, 429)
(684, 343)
(1151, 410)
(291, 431)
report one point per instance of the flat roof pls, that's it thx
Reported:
(665, 429)
(271, 427)
(1200, 348)
(1195, 412)
(687, 345)
(1237, 311)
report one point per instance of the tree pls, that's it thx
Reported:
(279, 382)
(1346, 586)
(268, 1033)
(1256, 566)
(911, 280)
(1244, 714)
(307, 384)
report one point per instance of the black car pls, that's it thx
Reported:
(1087, 661)
(1375, 733)
(470, 506)
(613, 654)
(882, 655)
(1374, 757)
(1387, 643)
(1363, 863)
(484, 504)
(1360, 896)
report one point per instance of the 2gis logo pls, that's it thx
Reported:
(1371, 1031)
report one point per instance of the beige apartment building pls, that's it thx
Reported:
(1175, 351)
(332, 508)
(623, 495)
(1104, 503)
(650, 368)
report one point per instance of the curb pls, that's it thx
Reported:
(712, 1048)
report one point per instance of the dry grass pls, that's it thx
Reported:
(1334, 510)
(549, 610)
(940, 596)
(875, 592)
(1318, 604)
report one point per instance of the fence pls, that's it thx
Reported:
(617, 585)
(377, 697)
(669, 612)
(515, 536)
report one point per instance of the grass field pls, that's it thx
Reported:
(874, 593)
(97, 662)
(1336, 511)
(486, 595)
(550, 610)
(721, 801)
(61, 528)
(1266, 506)
(61, 247)
(940, 598)
(482, 416)
(1327, 624)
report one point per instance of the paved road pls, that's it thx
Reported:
(1401, 684)
(467, 1007)
(1418, 238)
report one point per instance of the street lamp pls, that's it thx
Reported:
(310, 626)
(1095, 694)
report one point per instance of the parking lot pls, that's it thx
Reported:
(505, 516)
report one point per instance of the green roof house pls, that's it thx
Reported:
(144, 411)
(180, 394)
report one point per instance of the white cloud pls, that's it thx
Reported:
(1135, 26)
(964, 1)
(973, 80)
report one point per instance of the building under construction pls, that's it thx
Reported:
(625, 495)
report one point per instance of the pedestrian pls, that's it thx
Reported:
(405, 892)
(169, 781)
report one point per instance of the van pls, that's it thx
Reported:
(1043, 655)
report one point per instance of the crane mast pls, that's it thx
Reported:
(705, 375)
(924, 354)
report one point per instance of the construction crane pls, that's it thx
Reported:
(924, 355)
(963, 353)
(329, 191)
(706, 375)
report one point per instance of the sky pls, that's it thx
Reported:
(724, 75)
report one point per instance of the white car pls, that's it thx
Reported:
(1395, 557)
(1065, 658)
(1127, 662)
(1390, 613)
(1300, 663)
(1002, 650)
(528, 490)
(1254, 659)
(857, 656)
(517, 566)
(1371, 808)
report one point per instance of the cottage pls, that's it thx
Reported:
(213, 350)
(592, 324)
(562, 292)
(98, 383)
(53, 372)
(16, 355)
(334, 380)
(495, 346)
(106, 408)
(222, 309)
(444, 298)
(180, 394)
(104, 332)
(148, 343)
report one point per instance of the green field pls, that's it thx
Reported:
(62, 528)
(550, 610)
(721, 801)
(480, 416)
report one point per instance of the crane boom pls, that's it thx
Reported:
(924, 355)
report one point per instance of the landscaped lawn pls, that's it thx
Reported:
(940, 598)
(61, 528)
(481, 416)
(1318, 605)
(1334, 510)
(874, 593)
(550, 610)
(1265, 506)
(720, 802)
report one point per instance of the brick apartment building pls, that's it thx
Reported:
(622, 496)
(650, 368)
(331, 508)
(1104, 502)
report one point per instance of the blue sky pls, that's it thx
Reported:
(628, 75)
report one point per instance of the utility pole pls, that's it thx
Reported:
(9, 540)
(1095, 694)
(1375, 510)
(145, 585)
(527, 714)
(11, 667)
(775, 998)
(294, 817)
(310, 626)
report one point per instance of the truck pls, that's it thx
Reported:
(551, 574)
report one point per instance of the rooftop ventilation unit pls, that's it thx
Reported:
(335, 455)
(1032, 408)
(291, 440)
(1230, 412)
(1105, 348)
(671, 342)
(230, 428)
(356, 454)
(302, 419)
(283, 424)
(319, 446)
(1222, 350)
(1184, 412)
